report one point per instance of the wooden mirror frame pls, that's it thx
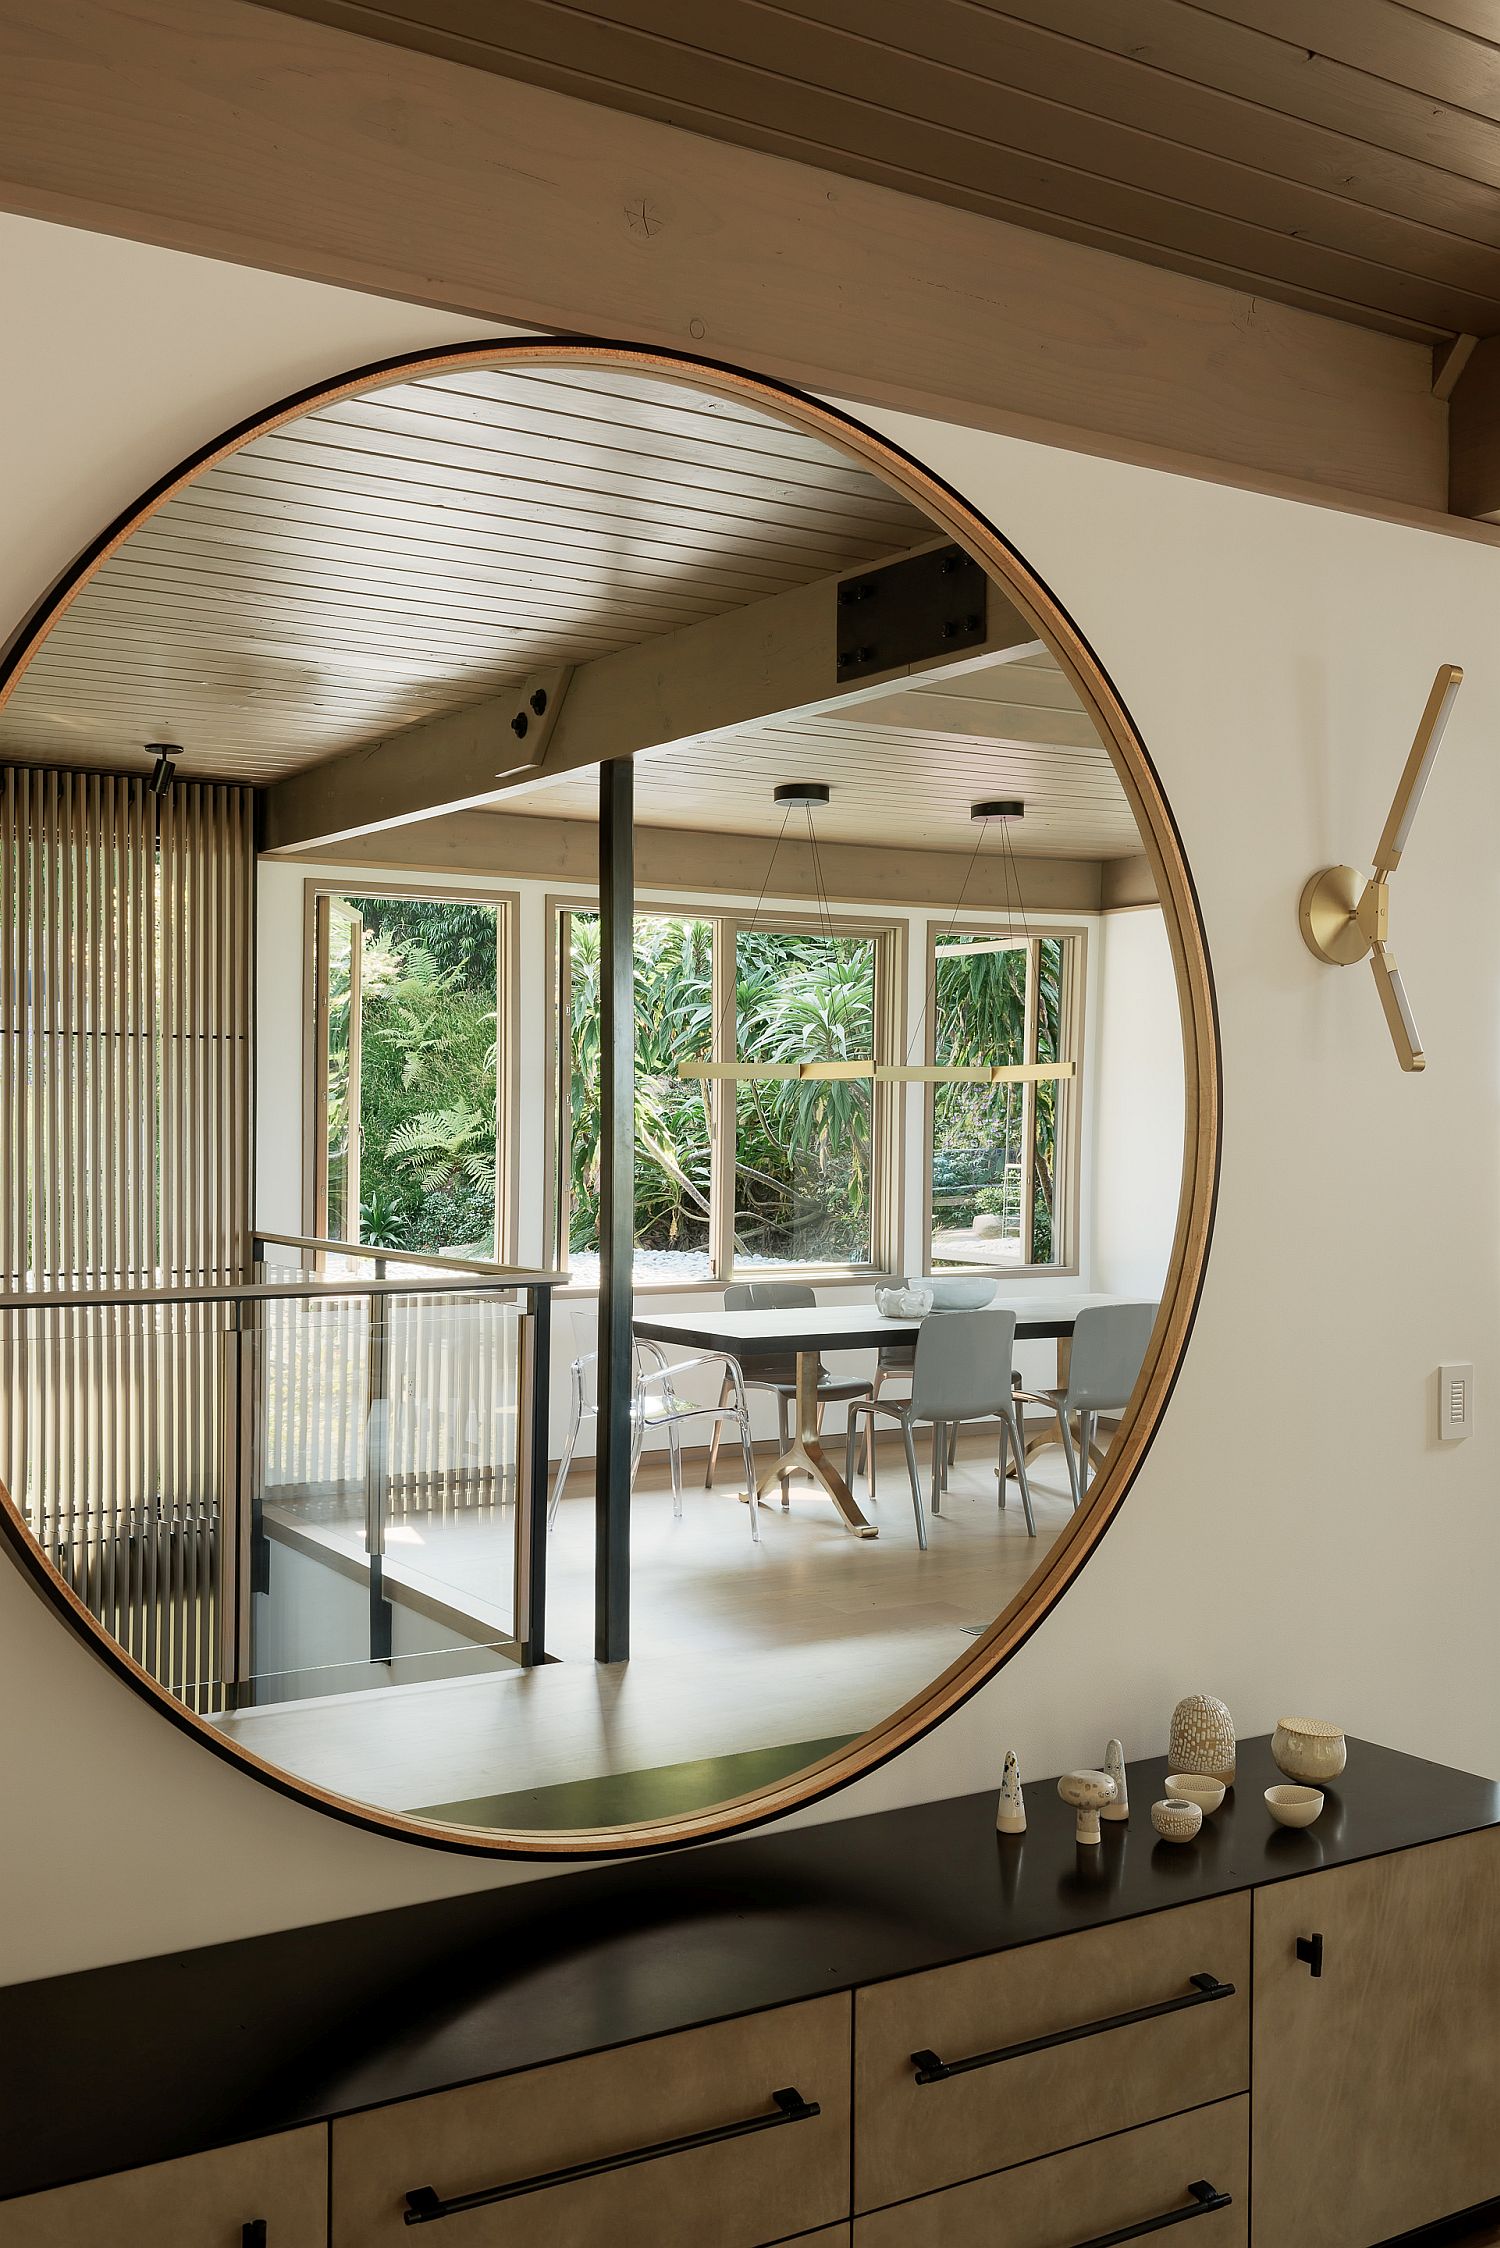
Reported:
(1073, 1547)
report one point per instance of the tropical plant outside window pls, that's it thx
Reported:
(798, 1160)
(804, 1150)
(995, 1148)
(409, 1008)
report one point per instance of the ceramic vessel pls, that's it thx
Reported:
(903, 1303)
(1202, 1738)
(1309, 1750)
(1294, 1806)
(1088, 1792)
(956, 1291)
(1196, 1787)
(1114, 1765)
(1010, 1818)
(1176, 1820)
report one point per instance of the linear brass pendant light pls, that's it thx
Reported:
(1344, 919)
(809, 797)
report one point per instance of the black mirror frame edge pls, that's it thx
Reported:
(1201, 1153)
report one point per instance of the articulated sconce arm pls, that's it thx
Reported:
(1344, 918)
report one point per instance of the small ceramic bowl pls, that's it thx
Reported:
(1294, 1806)
(1196, 1787)
(1176, 1820)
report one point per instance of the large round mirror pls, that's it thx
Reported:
(610, 1098)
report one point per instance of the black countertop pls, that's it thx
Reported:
(125, 2065)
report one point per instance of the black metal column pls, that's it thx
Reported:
(533, 1499)
(616, 1206)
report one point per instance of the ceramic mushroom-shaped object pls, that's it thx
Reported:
(1088, 1792)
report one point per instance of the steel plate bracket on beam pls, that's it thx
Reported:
(925, 605)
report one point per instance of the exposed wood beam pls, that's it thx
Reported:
(1448, 363)
(565, 854)
(1474, 433)
(686, 686)
(219, 127)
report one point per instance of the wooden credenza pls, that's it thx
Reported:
(1290, 2041)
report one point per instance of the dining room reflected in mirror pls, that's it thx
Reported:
(647, 1116)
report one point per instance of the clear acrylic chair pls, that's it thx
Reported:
(656, 1404)
(1104, 1365)
(779, 1374)
(962, 1372)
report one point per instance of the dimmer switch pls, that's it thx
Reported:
(1455, 1402)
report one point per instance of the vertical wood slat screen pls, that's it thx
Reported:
(125, 1044)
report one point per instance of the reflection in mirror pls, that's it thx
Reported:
(304, 1227)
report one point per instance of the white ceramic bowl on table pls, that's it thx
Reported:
(1294, 1806)
(956, 1291)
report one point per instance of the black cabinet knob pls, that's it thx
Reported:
(1310, 1952)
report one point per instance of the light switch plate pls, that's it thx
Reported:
(1455, 1402)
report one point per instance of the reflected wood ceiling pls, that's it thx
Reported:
(1341, 155)
(903, 770)
(399, 555)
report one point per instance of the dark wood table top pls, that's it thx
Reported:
(126, 2065)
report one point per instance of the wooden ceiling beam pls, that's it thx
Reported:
(1474, 432)
(728, 671)
(227, 129)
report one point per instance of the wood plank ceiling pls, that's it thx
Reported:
(402, 554)
(1341, 155)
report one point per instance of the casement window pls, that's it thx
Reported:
(733, 1178)
(411, 1107)
(1003, 1159)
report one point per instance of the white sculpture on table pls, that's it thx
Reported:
(1010, 1818)
(1088, 1792)
(1114, 1765)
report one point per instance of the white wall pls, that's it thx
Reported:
(1136, 1145)
(1328, 1555)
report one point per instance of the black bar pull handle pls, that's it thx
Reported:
(424, 2205)
(1206, 2198)
(1310, 1952)
(1205, 1988)
(253, 2233)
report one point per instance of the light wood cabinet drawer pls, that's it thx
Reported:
(737, 2188)
(1066, 2068)
(204, 2201)
(1143, 2178)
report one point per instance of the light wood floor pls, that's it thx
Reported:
(736, 1647)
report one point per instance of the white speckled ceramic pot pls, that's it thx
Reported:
(1202, 1738)
(1176, 1820)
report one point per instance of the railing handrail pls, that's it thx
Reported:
(371, 1254)
(257, 1291)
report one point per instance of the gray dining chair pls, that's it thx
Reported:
(962, 1372)
(656, 1404)
(779, 1374)
(1109, 1349)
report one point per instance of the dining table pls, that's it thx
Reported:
(748, 1335)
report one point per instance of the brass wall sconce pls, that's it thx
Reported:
(1344, 919)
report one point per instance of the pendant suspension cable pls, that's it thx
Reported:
(930, 993)
(731, 996)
